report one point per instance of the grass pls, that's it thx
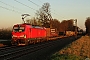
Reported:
(58, 56)
(77, 50)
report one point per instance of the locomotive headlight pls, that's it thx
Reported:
(14, 36)
(24, 36)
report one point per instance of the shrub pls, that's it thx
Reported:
(5, 34)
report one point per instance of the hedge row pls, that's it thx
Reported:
(5, 34)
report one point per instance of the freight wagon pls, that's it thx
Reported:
(70, 33)
(51, 32)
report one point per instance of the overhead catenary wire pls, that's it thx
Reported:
(14, 8)
(34, 3)
(40, 1)
(10, 10)
(25, 5)
(31, 7)
(10, 5)
(38, 5)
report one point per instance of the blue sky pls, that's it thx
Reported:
(61, 10)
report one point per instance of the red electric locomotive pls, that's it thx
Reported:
(23, 34)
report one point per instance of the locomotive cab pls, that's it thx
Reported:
(19, 35)
(24, 34)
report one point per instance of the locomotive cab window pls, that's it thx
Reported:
(18, 29)
(15, 29)
(21, 29)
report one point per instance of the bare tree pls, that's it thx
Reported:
(67, 25)
(44, 15)
(55, 24)
(70, 24)
(63, 25)
(32, 21)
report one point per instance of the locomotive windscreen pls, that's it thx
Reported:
(18, 29)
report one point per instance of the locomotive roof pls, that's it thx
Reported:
(31, 26)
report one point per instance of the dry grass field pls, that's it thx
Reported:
(77, 50)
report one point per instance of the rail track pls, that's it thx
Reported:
(10, 48)
(5, 48)
(14, 52)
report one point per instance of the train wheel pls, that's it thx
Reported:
(47, 39)
(34, 41)
(30, 41)
(26, 42)
(12, 43)
(39, 40)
